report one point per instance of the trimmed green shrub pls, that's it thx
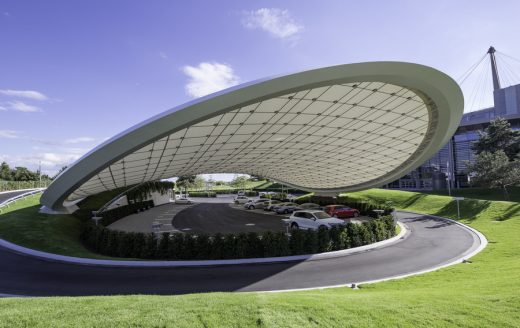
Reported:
(188, 247)
(139, 244)
(281, 244)
(354, 233)
(242, 247)
(335, 243)
(217, 247)
(344, 240)
(324, 243)
(365, 233)
(175, 246)
(164, 246)
(255, 246)
(311, 242)
(297, 242)
(228, 249)
(150, 247)
(202, 247)
(268, 243)
(182, 246)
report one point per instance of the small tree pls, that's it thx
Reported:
(199, 183)
(494, 170)
(499, 136)
(240, 182)
(5, 172)
(185, 182)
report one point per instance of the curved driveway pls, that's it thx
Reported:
(431, 242)
(7, 195)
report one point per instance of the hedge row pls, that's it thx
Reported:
(180, 246)
(117, 213)
(202, 194)
(214, 193)
(364, 207)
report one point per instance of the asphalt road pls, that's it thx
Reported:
(431, 242)
(11, 194)
(213, 218)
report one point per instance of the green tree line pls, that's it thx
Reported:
(19, 173)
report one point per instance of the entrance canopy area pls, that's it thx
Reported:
(328, 130)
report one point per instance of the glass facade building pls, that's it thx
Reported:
(449, 165)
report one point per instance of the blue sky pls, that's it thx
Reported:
(75, 73)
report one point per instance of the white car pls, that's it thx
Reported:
(240, 200)
(313, 220)
(183, 200)
(241, 193)
(252, 204)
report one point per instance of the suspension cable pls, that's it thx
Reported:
(464, 76)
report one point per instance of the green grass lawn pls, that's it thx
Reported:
(484, 293)
(481, 193)
(23, 225)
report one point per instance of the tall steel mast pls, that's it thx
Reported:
(494, 71)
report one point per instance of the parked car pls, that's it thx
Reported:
(313, 220)
(341, 211)
(276, 206)
(183, 200)
(240, 200)
(291, 197)
(286, 208)
(252, 204)
(269, 204)
(241, 193)
(311, 206)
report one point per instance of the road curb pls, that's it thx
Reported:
(9, 191)
(172, 264)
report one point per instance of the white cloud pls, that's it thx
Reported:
(278, 22)
(208, 77)
(78, 140)
(51, 162)
(2, 109)
(9, 134)
(54, 160)
(29, 94)
(23, 107)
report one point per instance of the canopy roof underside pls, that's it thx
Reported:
(330, 137)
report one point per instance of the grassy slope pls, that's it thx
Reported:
(249, 185)
(481, 193)
(485, 293)
(23, 225)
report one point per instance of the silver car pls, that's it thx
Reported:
(286, 208)
(269, 204)
(310, 206)
(253, 204)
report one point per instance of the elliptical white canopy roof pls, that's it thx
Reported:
(328, 130)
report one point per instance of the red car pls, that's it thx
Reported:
(341, 211)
